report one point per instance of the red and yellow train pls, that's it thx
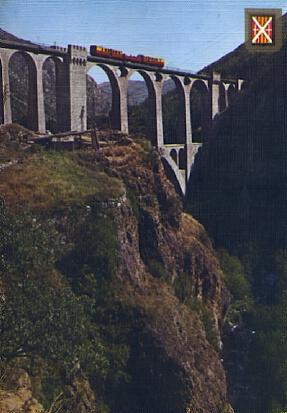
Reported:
(119, 55)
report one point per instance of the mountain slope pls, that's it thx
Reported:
(9, 36)
(238, 191)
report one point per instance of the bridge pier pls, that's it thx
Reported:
(41, 119)
(156, 112)
(77, 61)
(5, 57)
(216, 79)
(240, 83)
(188, 129)
(123, 101)
(226, 86)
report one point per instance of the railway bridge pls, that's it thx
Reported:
(71, 67)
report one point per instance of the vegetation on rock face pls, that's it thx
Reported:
(66, 327)
(83, 310)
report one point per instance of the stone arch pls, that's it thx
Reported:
(23, 89)
(115, 115)
(173, 155)
(182, 159)
(174, 128)
(113, 118)
(200, 107)
(1, 96)
(151, 81)
(222, 97)
(232, 93)
(139, 111)
(174, 175)
(55, 90)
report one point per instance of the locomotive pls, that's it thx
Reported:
(101, 51)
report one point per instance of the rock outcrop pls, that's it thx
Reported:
(185, 371)
(20, 399)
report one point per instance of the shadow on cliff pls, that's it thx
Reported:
(238, 183)
(238, 191)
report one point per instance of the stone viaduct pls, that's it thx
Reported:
(72, 65)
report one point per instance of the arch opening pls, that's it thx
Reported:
(182, 161)
(200, 109)
(99, 99)
(173, 112)
(23, 89)
(173, 155)
(139, 104)
(54, 87)
(231, 94)
(103, 98)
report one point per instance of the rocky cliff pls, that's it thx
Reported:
(167, 285)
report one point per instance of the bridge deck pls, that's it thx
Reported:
(51, 51)
(32, 47)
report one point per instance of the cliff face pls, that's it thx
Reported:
(167, 277)
(158, 246)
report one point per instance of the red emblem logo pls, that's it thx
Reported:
(262, 30)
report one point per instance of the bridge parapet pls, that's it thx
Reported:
(59, 49)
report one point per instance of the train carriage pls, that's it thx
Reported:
(101, 51)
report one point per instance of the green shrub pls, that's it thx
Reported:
(156, 268)
(207, 320)
(234, 275)
(60, 311)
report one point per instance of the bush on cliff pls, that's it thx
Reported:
(65, 323)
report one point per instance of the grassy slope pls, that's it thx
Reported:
(55, 179)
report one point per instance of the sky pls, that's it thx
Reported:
(188, 34)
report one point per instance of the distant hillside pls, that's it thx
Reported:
(8, 36)
(137, 92)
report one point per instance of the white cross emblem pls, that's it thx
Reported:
(262, 30)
